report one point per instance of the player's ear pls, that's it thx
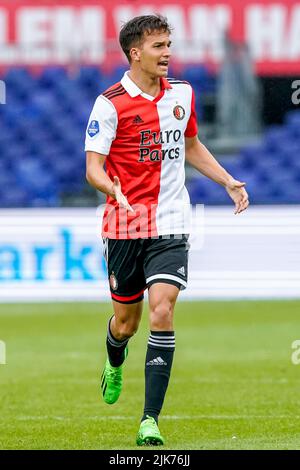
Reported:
(135, 54)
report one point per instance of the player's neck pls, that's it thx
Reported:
(146, 83)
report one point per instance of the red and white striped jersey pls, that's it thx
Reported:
(144, 140)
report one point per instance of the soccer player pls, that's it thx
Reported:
(140, 132)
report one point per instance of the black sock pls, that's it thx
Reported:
(159, 358)
(115, 348)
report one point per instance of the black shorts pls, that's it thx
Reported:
(134, 265)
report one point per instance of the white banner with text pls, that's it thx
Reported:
(56, 254)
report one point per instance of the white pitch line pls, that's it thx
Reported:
(197, 380)
(168, 417)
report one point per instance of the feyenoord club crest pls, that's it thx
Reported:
(113, 282)
(179, 112)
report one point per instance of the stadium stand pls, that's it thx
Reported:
(271, 168)
(42, 133)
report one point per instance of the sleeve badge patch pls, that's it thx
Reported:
(93, 128)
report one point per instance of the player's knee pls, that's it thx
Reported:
(161, 316)
(126, 329)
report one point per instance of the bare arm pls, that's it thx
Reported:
(200, 158)
(97, 177)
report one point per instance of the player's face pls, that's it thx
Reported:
(155, 54)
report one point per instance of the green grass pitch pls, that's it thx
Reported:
(233, 384)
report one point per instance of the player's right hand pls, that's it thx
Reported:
(116, 192)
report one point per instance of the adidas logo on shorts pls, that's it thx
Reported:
(158, 361)
(181, 271)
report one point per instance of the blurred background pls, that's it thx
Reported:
(239, 322)
(242, 59)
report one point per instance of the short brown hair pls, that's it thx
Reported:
(133, 31)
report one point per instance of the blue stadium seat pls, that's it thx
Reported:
(232, 164)
(35, 178)
(277, 137)
(118, 72)
(89, 80)
(19, 83)
(292, 117)
(250, 154)
(14, 197)
(42, 141)
(196, 74)
(51, 76)
(204, 191)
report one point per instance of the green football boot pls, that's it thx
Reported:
(112, 380)
(149, 434)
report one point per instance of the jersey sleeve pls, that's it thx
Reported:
(102, 126)
(192, 126)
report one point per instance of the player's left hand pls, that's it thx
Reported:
(237, 192)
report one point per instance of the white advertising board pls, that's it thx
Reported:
(56, 255)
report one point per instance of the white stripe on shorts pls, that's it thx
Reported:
(166, 276)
